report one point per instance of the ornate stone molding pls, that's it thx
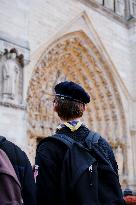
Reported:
(75, 57)
(70, 57)
(8, 42)
(10, 105)
(119, 10)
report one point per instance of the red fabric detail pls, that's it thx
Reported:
(130, 200)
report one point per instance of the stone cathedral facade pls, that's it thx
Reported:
(91, 42)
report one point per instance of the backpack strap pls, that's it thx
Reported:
(58, 137)
(92, 138)
(63, 138)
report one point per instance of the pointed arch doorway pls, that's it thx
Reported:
(75, 57)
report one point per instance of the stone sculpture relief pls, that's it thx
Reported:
(69, 57)
(11, 70)
(10, 76)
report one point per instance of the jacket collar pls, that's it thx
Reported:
(72, 125)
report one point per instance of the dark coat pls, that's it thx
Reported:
(23, 170)
(49, 158)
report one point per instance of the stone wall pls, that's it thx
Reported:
(132, 46)
(38, 24)
(39, 21)
(44, 26)
(14, 19)
(13, 125)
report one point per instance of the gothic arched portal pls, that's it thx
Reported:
(75, 57)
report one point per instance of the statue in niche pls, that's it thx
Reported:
(120, 7)
(10, 72)
(119, 158)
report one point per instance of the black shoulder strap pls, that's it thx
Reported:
(63, 138)
(92, 138)
(59, 137)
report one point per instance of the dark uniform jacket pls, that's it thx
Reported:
(23, 170)
(49, 158)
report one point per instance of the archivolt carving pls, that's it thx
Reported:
(75, 57)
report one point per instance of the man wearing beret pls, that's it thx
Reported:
(71, 170)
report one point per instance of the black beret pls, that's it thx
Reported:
(72, 91)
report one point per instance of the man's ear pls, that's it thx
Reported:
(55, 105)
(84, 107)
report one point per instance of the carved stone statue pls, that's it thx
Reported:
(11, 76)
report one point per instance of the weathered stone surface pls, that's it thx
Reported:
(70, 58)
(80, 41)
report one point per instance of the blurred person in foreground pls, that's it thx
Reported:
(17, 184)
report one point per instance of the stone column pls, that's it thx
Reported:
(127, 9)
(109, 4)
(100, 1)
(120, 7)
(133, 8)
